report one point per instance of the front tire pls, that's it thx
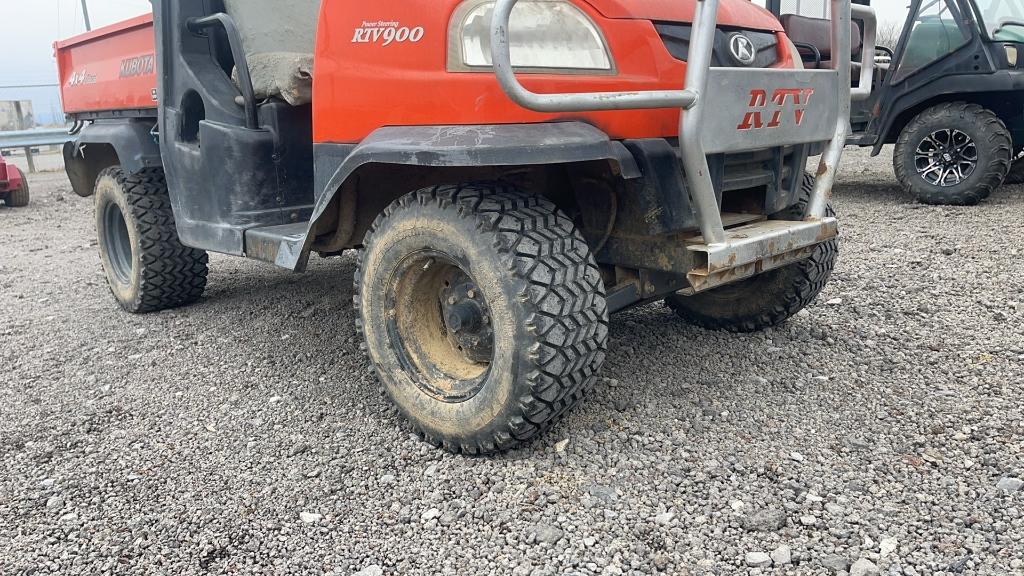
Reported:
(483, 314)
(953, 154)
(767, 299)
(147, 267)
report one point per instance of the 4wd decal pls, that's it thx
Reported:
(385, 33)
(753, 119)
(80, 78)
(138, 66)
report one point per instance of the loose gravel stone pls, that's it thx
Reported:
(835, 563)
(547, 534)
(167, 436)
(664, 519)
(1010, 485)
(310, 517)
(864, 567)
(765, 520)
(757, 560)
(782, 555)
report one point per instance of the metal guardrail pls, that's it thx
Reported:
(29, 139)
(38, 137)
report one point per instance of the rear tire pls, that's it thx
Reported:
(19, 198)
(483, 314)
(147, 267)
(767, 299)
(953, 154)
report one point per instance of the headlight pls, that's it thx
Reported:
(544, 35)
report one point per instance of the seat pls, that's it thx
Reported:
(278, 40)
(817, 32)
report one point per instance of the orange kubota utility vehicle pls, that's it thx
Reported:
(510, 171)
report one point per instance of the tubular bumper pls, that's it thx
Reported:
(754, 109)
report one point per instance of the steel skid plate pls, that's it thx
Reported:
(764, 108)
(755, 248)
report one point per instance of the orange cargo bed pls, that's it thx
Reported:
(110, 71)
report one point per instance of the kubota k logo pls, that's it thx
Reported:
(754, 118)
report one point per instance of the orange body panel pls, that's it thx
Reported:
(361, 86)
(109, 69)
(731, 13)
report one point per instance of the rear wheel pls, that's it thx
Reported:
(18, 198)
(147, 267)
(954, 153)
(483, 314)
(767, 299)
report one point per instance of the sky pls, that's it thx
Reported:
(27, 55)
(29, 34)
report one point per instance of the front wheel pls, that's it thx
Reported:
(767, 299)
(953, 154)
(483, 314)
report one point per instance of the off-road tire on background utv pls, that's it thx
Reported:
(19, 198)
(994, 153)
(147, 267)
(537, 290)
(767, 299)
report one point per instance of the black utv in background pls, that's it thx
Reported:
(949, 94)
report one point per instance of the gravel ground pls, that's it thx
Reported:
(881, 431)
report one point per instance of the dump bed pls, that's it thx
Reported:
(109, 72)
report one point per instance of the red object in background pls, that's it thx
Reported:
(10, 176)
(110, 68)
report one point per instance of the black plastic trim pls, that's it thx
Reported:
(133, 141)
(457, 146)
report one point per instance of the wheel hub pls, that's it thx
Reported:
(467, 319)
(946, 158)
(116, 242)
(440, 323)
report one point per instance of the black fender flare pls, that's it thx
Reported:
(947, 89)
(454, 146)
(133, 143)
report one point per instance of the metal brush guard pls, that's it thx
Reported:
(724, 255)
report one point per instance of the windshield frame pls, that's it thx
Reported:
(989, 27)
